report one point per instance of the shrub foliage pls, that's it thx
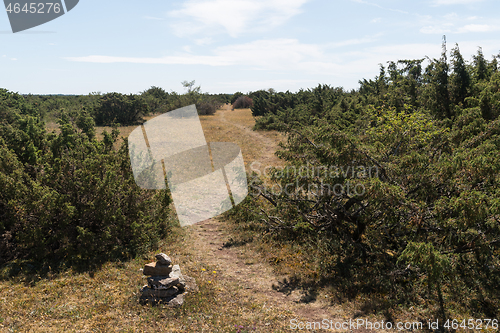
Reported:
(394, 186)
(116, 108)
(68, 198)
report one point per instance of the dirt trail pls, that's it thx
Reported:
(240, 265)
(267, 145)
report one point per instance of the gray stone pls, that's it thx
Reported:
(177, 301)
(186, 283)
(147, 291)
(156, 270)
(176, 271)
(162, 282)
(163, 259)
(166, 284)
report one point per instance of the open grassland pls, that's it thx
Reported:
(246, 283)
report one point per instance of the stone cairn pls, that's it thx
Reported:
(166, 284)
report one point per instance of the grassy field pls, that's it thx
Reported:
(244, 285)
(107, 300)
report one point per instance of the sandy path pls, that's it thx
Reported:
(267, 145)
(241, 267)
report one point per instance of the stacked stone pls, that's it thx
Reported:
(166, 284)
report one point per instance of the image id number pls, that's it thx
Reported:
(34, 8)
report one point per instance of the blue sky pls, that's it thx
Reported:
(235, 45)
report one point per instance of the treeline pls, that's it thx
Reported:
(122, 109)
(391, 189)
(444, 88)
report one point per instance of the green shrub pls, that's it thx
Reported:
(208, 106)
(115, 108)
(428, 223)
(70, 199)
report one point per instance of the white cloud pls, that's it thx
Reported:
(355, 41)
(173, 60)
(289, 56)
(290, 59)
(203, 41)
(262, 54)
(280, 85)
(379, 6)
(405, 51)
(478, 28)
(455, 2)
(453, 23)
(435, 29)
(451, 16)
(233, 17)
(274, 56)
(450, 28)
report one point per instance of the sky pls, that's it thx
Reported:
(236, 45)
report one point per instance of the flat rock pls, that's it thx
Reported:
(147, 291)
(162, 282)
(157, 270)
(163, 259)
(186, 283)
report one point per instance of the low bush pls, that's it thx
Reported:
(208, 107)
(116, 108)
(235, 96)
(69, 199)
(243, 102)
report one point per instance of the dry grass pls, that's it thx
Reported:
(236, 126)
(225, 126)
(107, 301)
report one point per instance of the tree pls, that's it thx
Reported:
(459, 79)
(480, 66)
(436, 94)
(191, 89)
(434, 263)
(119, 108)
(243, 102)
(157, 92)
(434, 202)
